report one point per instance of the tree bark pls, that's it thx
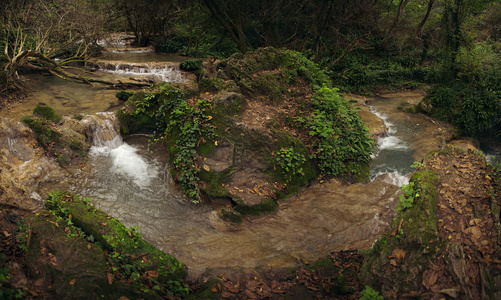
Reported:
(233, 29)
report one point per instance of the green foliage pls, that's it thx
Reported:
(7, 291)
(340, 135)
(359, 71)
(369, 293)
(191, 65)
(123, 95)
(409, 193)
(290, 162)
(472, 109)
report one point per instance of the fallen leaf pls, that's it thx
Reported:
(453, 291)
(73, 282)
(398, 253)
(206, 168)
(153, 274)
(89, 246)
(429, 278)
(6, 233)
(110, 278)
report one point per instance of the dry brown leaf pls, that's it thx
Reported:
(73, 282)
(153, 274)
(398, 253)
(109, 276)
(429, 278)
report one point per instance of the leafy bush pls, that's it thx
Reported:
(191, 65)
(123, 95)
(340, 135)
(473, 109)
(290, 162)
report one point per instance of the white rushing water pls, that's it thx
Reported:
(158, 72)
(393, 156)
(123, 159)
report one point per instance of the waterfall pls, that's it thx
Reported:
(393, 156)
(165, 72)
(108, 148)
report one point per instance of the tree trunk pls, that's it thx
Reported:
(233, 29)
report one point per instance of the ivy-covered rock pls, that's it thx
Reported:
(266, 124)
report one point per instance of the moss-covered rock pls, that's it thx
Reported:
(61, 137)
(115, 237)
(439, 239)
(227, 140)
(231, 215)
(68, 267)
(124, 95)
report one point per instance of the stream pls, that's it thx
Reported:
(133, 184)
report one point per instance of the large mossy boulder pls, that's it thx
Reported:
(67, 267)
(265, 125)
(62, 137)
(79, 252)
(445, 241)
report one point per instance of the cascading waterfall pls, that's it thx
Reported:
(123, 159)
(158, 72)
(393, 156)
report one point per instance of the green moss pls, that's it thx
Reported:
(229, 104)
(214, 84)
(72, 267)
(418, 238)
(231, 215)
(115, 237)
(137, 114)
(123, 95)
(46, 112)
(215, 182)
(268, 205)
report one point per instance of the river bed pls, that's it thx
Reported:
(129, 182)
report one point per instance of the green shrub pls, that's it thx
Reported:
(191, 65)
(123, 95)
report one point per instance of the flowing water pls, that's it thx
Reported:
(129, 182)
